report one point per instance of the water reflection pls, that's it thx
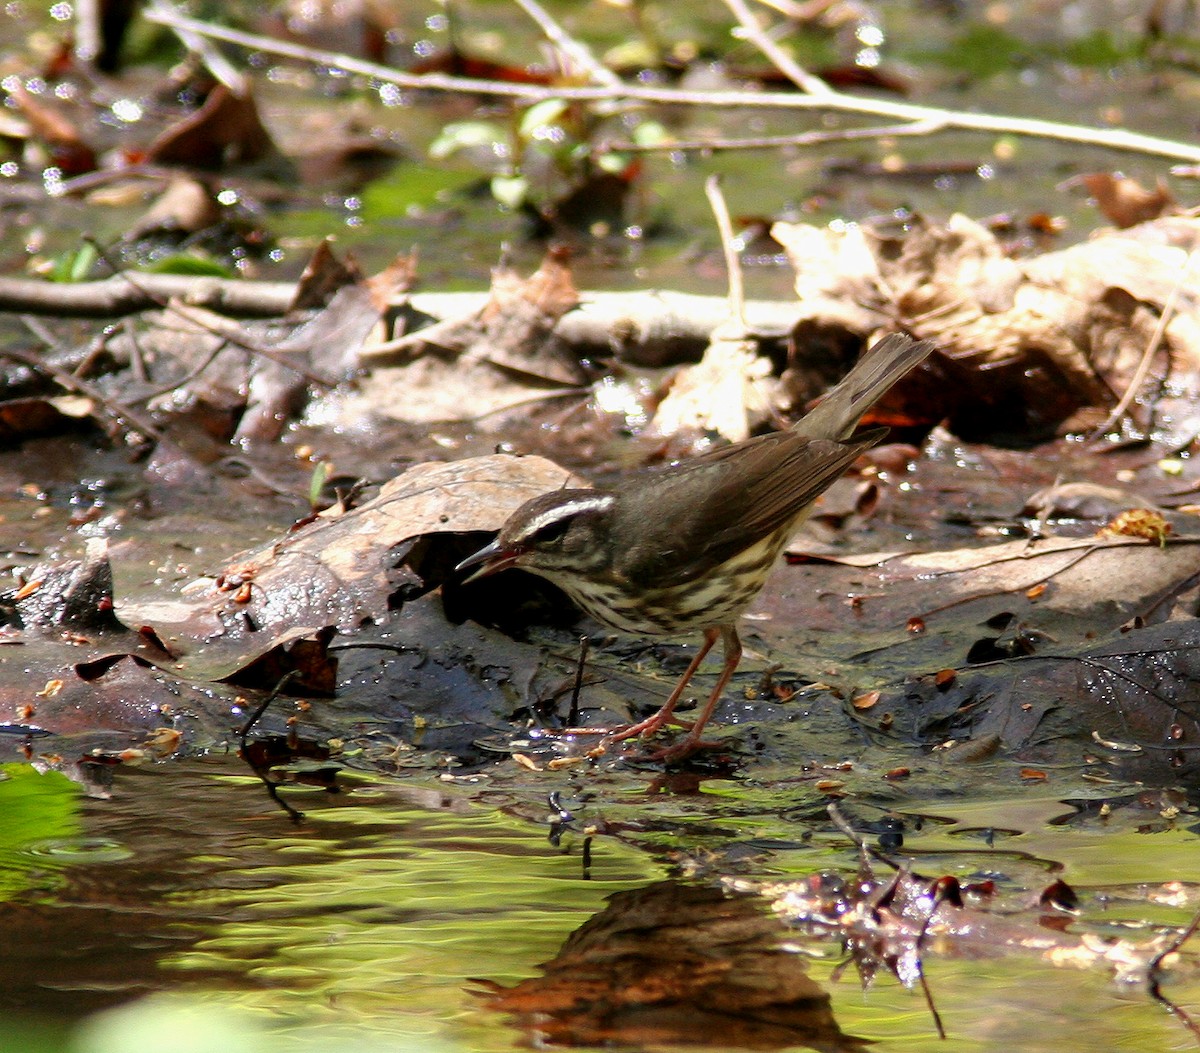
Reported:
(673, 964)
(404, 916)
(189, 886)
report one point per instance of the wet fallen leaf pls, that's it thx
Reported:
(866, 700)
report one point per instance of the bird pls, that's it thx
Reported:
(684, 549)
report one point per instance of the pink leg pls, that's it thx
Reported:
(692, 741)
(653, 723)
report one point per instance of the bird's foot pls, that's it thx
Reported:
(645, 728)
(685, 747)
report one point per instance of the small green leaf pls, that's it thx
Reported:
(540, 113)
(181, 263)
(510, 191)
(317, 483)
(651, 133)
(74, 266)
(613, 163)
(462, 135)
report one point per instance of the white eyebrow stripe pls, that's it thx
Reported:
(596, 503)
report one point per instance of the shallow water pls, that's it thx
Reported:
(186, 912)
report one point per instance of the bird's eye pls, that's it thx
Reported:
(551, 532)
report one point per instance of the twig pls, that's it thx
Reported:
(573, 712)
(1155, 977)
(236, 339)
(930, 1005)
(942, 119)
(68, 380)
(1139, 374)
(183, 381)
(733, 264)
(216, 63)
(578, 52)
(773, 142)
(782, 61)
(293, 813)
(115, 296)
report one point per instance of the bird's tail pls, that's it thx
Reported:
(838, 414)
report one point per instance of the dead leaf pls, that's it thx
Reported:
(226, 129)
(1124, 201)
(498, 357)
(729, 392)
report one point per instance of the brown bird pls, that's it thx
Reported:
(684, 549)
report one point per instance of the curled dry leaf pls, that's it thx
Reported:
(336, 570)
(1025, 343)
(867, 700)
(495, 358)
(225, 129)
(728, 392)
(1124, 201)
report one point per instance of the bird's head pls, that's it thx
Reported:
(558, 536)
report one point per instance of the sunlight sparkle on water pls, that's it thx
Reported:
(127, 110)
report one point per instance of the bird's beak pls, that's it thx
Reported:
(489, 560)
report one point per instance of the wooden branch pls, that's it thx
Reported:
(647, 328)
(113, 297)
(574, 50)
(935, 118)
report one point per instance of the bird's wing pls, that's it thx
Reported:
(696, 515)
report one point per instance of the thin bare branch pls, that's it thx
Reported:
(817, 137)
(941, 119)
(780, 59)
(575, 50)
(120, 410)
(1160, 330)
(733, 264)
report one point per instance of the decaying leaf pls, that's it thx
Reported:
(464, 368)
(225, 129)
(728, 392)
(337, 570)
(1124, 201)
(1027, 342)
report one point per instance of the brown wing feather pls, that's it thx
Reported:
(696, 515)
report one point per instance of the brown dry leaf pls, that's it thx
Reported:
(225, 129)
(837, 276)
(728, 392)
(323, 274)
(867, 700)
(326, 344)
(465, 368)
(336, 570)
(1025, 343)
(1124, 201)
(67, 148)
